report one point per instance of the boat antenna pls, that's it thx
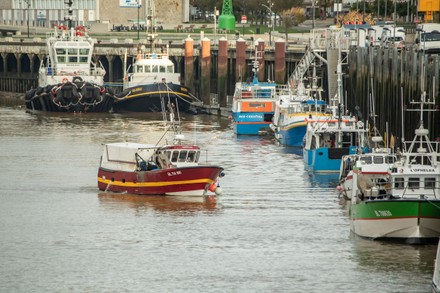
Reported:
(69, 17)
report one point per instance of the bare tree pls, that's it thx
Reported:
(292, 17)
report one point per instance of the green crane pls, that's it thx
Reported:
(226, 21)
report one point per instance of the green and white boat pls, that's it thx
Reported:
(407, 208)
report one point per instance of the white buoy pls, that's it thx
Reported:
(218, 191)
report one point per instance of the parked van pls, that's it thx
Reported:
(393, 37)
(428, 37)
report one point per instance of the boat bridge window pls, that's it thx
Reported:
(413, 182)
(390, 159)
(366, 160)
(170, 68)
(399, 183)
(378, 159)
(183, 156)
(140, 68)
(154, 68)
(430, 183)
(174, 156)
(162, 68)
(148, 68)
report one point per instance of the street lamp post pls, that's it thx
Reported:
(138, 8)
(28, 5)
(272, 19)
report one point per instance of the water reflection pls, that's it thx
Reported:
(328, 180)
(386, 257)
(162, 204)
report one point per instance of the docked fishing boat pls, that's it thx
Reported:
(253, 104)
(375, 164)
(405, 206)
(68, 79)
(291, 111)
(151, 78)
(330, 138)
(436, 275)
(153, 169)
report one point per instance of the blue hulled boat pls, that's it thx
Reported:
(253, 104)
(327, 139)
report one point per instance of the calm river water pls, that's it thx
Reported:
(274, 229)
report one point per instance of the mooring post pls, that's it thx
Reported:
(222, 71)
(280, 61)
(189, 64)
(240, 62)
(205, 72)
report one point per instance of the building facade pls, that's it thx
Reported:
(46, 13)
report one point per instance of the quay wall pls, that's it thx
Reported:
(20, 61)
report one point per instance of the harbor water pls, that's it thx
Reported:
(275, 228)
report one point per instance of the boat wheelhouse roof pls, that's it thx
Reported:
(180, 147)
(158, 61)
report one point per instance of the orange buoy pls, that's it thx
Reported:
(212, 187)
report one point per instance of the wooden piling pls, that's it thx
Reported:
(240, 60)
(189, 64)
(222, 72)
(205, 72)
(280, 61)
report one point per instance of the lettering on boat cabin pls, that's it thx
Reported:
(417, 170)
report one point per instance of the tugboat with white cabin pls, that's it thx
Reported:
(68, 79)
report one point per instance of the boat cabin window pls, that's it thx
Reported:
(366, 160)
(399, 183)
(161, 68)
(155, 68)
(148, 68)
(182, 156)
(413, 182)
(192, 156)
(378, 159)
(429, 183)
(140, 68)
(390, 159)
(84, 51)
(174, 156)
(170, 68)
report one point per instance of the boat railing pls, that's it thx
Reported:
(256, 93)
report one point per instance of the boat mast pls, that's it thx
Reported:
(69, 16)
(255, 65)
